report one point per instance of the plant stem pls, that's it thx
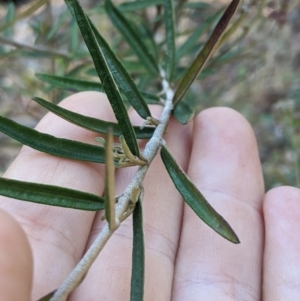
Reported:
(28, 12)
(33, 48)
(149, 153)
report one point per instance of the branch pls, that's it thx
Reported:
(150, 151)
(33, 48)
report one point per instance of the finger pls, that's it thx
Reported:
(225, 167)
(15, 261)
(162, 207)
(281, 279)
(58, 235)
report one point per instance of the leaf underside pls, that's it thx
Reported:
(183, 112)
(110, 200)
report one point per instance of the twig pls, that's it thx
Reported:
(33, 48)
(28, 12)
(149, 153)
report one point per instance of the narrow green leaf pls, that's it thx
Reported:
(122, 77)
(151, 98)
(50, 195)
(110, 200)
(74, 36)
(70, 83)
(138, 255)
(195, 199)
(105, 76)
(92, 124)
(197, 5)
(234, 27)
(129, 34)
(50, 144)
(148, 38)
(189, 44)
(183, 112)
(82, 85)
(57, 25)
(170, 37)
(138, 5)
(206, 52)
(10, 15)
(47, 297)
(24, 14)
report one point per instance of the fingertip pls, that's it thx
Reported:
(281, 209)
(16, 263)
(226, 143)
(226, 123)
(282, 244)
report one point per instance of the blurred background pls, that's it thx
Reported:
(256, 70)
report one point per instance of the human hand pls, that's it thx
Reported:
(185, 260)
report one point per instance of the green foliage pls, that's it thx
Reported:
(50, 144)
(194, 198)
(92, 124)
(138, 255)
(110, 199)
(50, 195)
(206, 52)
(134, 70)
(131, 37)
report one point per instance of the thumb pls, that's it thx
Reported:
(16, 264)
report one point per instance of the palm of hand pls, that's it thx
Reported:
(185, 260)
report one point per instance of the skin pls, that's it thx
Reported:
(185, 260)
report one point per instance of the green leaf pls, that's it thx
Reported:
(129, 34)
(70, 83)
(10, 15)
(105, 75)
(170, 37)
(122, 77)
(24, 14)
(50, 195)
(234, 27)
(74, 36)
(138, 255)
(183, 112)
(197, 5)
(92, 124)
(57, 25)
(195, 199)
(189, 44)
(47, 297)
(110, 200)
(151, 98)
(50, 144)
(138, 5)
(82, 85)
(148, 38)
(206, 52)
